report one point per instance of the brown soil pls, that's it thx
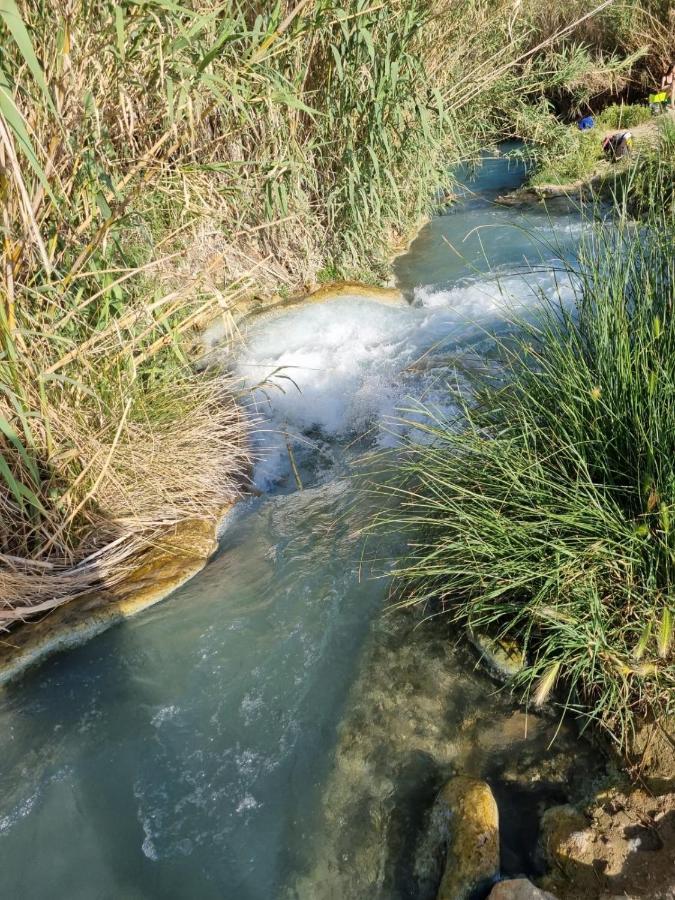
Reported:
(651, 754)
(623, 846)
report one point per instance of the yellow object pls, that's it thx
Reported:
(661, 97)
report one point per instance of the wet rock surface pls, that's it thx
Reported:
(502, 657)
(176, 557)
(418, 715)
(465, 820)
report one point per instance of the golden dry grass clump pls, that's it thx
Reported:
(104, 477)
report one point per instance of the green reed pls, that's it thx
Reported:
(160, 162)
(545, 510)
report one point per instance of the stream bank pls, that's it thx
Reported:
(182, 551)
(602, 176)
(267, 731)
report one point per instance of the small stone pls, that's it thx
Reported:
(466, 813)
(564, 834)
(504, 657)
(518, 889)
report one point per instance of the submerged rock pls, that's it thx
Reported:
(465, 819)
(518, 889)
(504, 657)
(419, 712)
(179, 553)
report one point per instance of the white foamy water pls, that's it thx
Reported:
(346, 366)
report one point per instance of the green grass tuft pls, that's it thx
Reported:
(624, 115)
(568, 156)
(652, 180)
(546, 510)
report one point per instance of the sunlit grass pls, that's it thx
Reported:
(160, 161)
(546, 509)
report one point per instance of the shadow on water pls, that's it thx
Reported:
(417, 714)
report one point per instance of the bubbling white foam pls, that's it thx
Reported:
(330, 371)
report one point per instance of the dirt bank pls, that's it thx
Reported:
(621, 845)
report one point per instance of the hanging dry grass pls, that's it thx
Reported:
(106, 476)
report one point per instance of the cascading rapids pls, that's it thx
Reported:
(347, 366)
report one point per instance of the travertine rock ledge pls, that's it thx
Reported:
(183, 553)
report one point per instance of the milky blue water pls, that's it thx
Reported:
(188, 752)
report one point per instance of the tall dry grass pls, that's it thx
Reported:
(160, 160)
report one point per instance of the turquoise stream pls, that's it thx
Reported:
(265, 732)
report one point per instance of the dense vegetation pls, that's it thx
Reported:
(545, 511)
(571, 156)
(160, 161)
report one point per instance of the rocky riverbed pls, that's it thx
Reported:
(418, 732)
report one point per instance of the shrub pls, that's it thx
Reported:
(623, 116)
(566, 155)
(652, 180)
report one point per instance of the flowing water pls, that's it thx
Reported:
(267, 732)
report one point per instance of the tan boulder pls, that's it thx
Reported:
(564, 834)
(466, 812)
